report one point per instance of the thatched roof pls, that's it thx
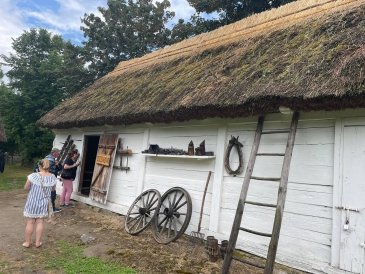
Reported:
(307, 55)
(2, 132)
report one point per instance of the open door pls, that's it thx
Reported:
(103, 167)
(90, 150)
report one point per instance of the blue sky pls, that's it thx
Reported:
(58, 16)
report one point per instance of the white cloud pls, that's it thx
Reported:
(11, 25)
(19, 15)
(182, 9)
(67, 18)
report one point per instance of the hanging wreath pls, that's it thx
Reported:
(234, 143)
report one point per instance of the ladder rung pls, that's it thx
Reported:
(266, 178)
(248, 262)
(255, 232)
(270, 154)
(260, 204)
(275, 131)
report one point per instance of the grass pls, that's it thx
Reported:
(2, 266)
(71, 260)
(14, 177)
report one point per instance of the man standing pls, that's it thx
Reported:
(54, 168)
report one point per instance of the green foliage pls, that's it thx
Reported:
(45, 70)
(233, 10)
(14, 177)
(228, 11)
(126, 29)
(71, 260)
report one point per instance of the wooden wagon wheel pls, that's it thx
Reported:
(173, 216)
(142, 211)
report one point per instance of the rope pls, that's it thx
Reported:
(234, 143)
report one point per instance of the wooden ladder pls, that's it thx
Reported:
(270, 260)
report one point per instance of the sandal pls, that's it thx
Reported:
(26, 245)
(37, 246)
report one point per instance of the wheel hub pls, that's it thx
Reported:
(169, 212)
(142, 210)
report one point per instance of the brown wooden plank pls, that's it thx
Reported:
(243, 195)
(102, 170)
(269, 267)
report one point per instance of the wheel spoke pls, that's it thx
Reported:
(162, 221)
(168, 199)
(173, 201)
(132, 219)
(139, 218)
(164, 226)
(143, 203)
(178, 200)
(179, 222)
(169, 230)
(180, 206)
(148, 197)
(139, 222)
(150, 201)
(151, 204)
(133, 213)
(175, 228)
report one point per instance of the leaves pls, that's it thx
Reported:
(126, 30)
(45, 70)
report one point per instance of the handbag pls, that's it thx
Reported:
(66, 173)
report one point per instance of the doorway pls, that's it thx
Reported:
(91, 143)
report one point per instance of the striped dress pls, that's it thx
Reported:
(38, 196)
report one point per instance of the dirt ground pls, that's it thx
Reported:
(111, 242)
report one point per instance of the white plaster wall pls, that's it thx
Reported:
(191, 174)
(305, 240)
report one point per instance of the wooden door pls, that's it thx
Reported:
(352, 247)
(103, 167)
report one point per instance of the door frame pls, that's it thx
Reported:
(337, 224)
(84, 152)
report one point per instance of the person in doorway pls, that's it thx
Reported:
(40, 184)
(68, 175)
(54, 168)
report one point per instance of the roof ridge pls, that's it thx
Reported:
(243, 29)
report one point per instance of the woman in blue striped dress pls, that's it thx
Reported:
(39, 185)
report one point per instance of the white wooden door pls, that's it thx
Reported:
(352, 248)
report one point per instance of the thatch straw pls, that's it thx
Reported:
(308, 55)
(257, 24)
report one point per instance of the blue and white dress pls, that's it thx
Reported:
(38, 196)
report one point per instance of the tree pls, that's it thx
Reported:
(228, 11)
(233, 10)
(45, 70)
(126, 29)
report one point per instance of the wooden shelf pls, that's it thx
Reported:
(179, 156)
